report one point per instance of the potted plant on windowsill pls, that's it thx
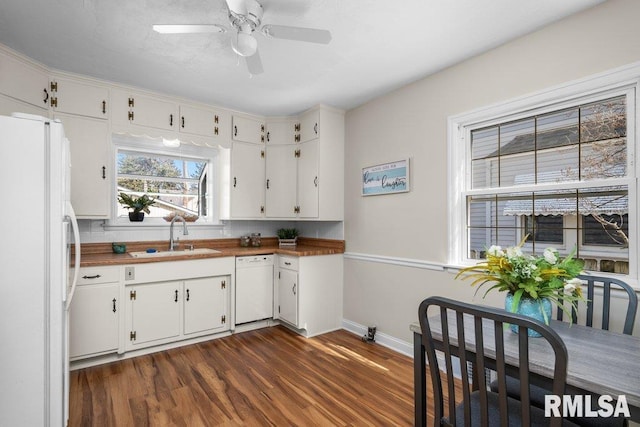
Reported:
(287, 236)
(138, 205)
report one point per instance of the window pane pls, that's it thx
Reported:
(544, 229)
(608, 230)
(484, 153)
(517, 152)
(603, 120)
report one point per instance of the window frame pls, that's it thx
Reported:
(155, 146)
(621, 81)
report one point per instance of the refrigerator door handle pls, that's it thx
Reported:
(76, 239)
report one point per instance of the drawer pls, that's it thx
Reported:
(95, 275)
(290, 263)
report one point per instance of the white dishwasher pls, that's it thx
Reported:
(254, 288)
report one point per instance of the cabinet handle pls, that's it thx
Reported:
(267, 184)
(235, 130)
(315, 181)
(170, 119)
(268, 136)
(104, 172)
(182, 120)
(315, 128)
(176, 299)
(234, 182)
(187, 294)
(114, 305)
(46, 95)
(104, 107)
(287, 263)
(294, 289)
(92, 277)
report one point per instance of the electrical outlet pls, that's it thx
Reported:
(129, 273)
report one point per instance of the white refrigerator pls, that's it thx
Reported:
(36, 231)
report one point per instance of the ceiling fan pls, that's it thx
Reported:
(245, 17)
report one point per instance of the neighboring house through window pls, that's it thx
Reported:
(557, 167)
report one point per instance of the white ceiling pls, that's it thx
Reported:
(377, 45)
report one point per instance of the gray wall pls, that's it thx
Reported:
(412, 122)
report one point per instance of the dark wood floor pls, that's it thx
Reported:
(266, 377)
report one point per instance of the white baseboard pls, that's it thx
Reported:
(383, 339)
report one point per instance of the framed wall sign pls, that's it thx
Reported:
(386, 178)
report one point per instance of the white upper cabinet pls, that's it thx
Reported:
(24, 81)
(204, 122)
(144, 110)
(10, 105)
(73, 96)
(308, 180)
(248, 129)
(247, 180)
(281, 173)
(281, 131)
(309, 125)
(90, 171)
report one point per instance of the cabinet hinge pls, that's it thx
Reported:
(53, 86)
(262, 154)
(132, 336)
(131, 102)
(297, 138)
(132, 295)
(224, 319)
(262, 138)
(215, 119)
(296, 127)
(223, 284)
(54, 102)
(262, 128)
(296, 153)
(261, 209)
(296, 209)
(215, 130)
(131, 115)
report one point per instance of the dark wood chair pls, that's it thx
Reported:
(606, 285)
(476, 334)
(595, 300)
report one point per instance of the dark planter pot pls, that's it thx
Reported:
(136, 216)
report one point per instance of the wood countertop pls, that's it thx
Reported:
(101, 254)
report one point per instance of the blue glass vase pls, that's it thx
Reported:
(529, 307)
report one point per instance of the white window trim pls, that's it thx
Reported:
(459, 131)
(154, 145)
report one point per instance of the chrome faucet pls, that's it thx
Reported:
(184, 231)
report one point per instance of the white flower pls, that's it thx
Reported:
(514, 252)
(571, 285)
(550, 255)
(495, 250)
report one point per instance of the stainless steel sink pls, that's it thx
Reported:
(162, 254)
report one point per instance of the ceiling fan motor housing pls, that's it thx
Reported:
(250, 20)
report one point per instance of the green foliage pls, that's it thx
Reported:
(287, 233)
(137, 204)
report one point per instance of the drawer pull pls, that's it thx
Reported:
(114, 305)
(97, 276)
(187, 294)
(287, 263)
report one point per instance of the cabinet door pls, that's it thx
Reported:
(142, 110)
(200, 121)
(281, 168)
(89, 140)
(308, 179)
(83, 99)
(154, 313)
(288, 296)
(10, 105)
(247, 180)
(93, 320)
(205, 304)
(248, 129)
(280, 131)
(23, 81)
(309, 125)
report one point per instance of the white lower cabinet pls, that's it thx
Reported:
(309, 293)
(172, 301)
(94, 313)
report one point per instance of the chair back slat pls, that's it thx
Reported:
(469, 336)
(608, 285)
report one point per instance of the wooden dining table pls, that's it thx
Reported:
(599, 362)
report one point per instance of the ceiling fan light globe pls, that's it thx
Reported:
(245, 45)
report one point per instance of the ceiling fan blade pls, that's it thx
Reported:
(254, 64)
(189, 28)
(311, 35)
